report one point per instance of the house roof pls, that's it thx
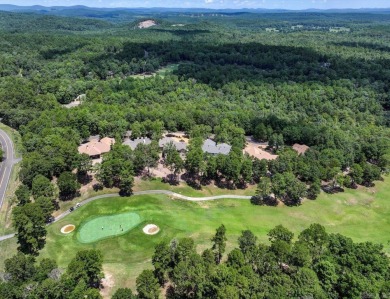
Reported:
(134, 142)
(300, 148)
(95, 148)
(107, 140)
(180, 146)
(209, 146)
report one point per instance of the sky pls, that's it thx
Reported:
(270, 4)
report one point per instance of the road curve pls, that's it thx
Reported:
(166, 192)
(7, 163)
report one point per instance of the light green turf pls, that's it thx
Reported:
(363, 215)
(107, 226)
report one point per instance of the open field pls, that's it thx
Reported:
(162, 72)
(363, 215)
(183, 188)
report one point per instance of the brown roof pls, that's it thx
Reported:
(107, 140)
(95, 148)
(300, 148)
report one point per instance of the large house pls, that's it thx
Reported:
(180, 146)
(211, 147)
(95, 148)
(134, 142)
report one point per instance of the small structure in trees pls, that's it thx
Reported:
(301, 149)
(211, 147)
(94, 149)
(134, 142)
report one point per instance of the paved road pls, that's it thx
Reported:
(166, 192)
(7, 163)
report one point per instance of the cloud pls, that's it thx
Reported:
(208, 1)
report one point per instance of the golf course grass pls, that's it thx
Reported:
(103, 227)
(363, 215)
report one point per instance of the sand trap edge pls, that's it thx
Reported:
(63, 229)
(147, 229)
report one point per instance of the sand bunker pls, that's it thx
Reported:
(151, 229)
(67, 229)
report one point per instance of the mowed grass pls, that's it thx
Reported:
(363, 215)
(102, 227)
(183, 188)
(162, 72)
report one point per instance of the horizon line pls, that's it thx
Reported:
(207, 8)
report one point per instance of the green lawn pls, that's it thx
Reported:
(359, 214)
(162, 72)
(183, 188)
(103, 227)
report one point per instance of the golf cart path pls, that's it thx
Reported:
(146, 192)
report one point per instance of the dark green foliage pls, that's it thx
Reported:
(126, 184)
(147, 285)
(184, 249)
(162, 261)
(123, 294)
(47, 206)
(41, 186)
(172, 161)
(29, 221)
(68, 185)
(280, 233)
(87, 267)
(145, 156)
(20, 267)
(116, 164)
(23, 195)
(219, 243)
(314, 190)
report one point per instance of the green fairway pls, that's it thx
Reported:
(107, 226)
(363, 215)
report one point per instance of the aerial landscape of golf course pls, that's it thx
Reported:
(186, 152)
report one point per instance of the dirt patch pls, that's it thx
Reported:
(258, 150)
(108, 283)
(151, 229)
(146, 24)
(67, 229)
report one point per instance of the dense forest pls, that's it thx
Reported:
(312, 78)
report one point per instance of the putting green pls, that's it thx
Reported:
(107, 226)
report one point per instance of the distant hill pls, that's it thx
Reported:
(129, 15)
(85, 9)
